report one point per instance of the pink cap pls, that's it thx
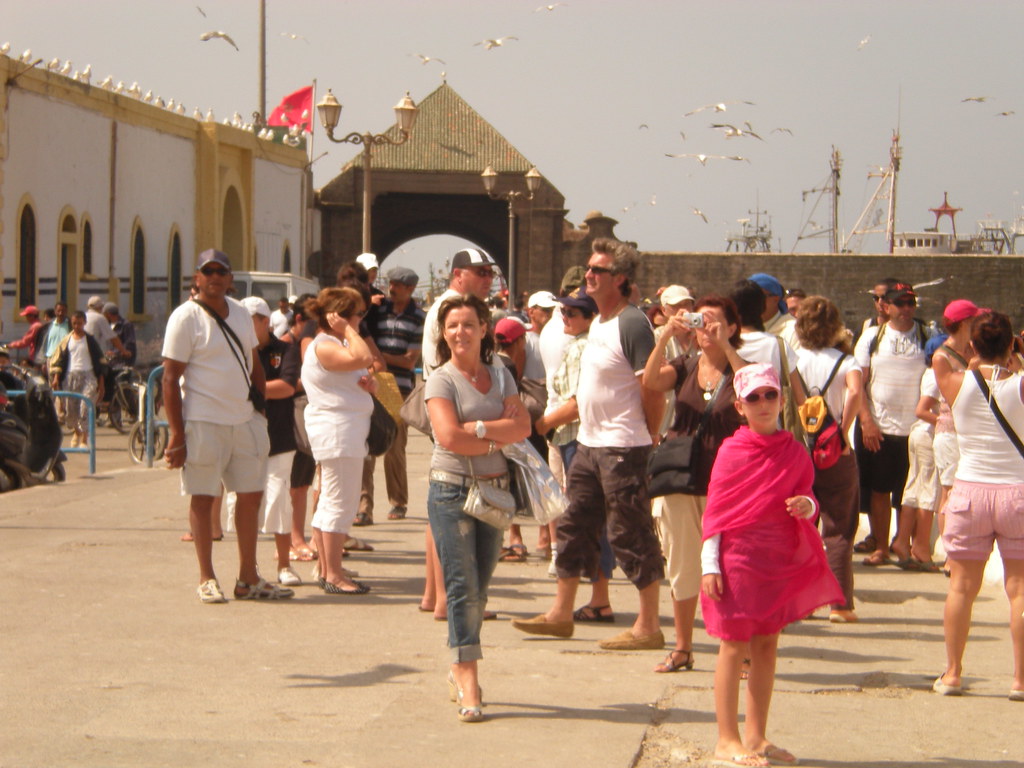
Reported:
(753, 377)
(961, 309)
(508, 330)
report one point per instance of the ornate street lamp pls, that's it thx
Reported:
(406, 112)
(533, 179)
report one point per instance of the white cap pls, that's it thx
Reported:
(675, 294)
(368, 260)
(542, 299)
(256, 306)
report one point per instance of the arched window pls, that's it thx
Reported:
(138, 271)
(174, 273)
(286, 261)
(87, 247)
(27, 257)
(67, 265)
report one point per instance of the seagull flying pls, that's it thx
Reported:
(495, 42)
(427, 59)
(861, 45)
(699, 212)
(782, 130)
(201, 11)
(549, 7)
(1007, 113)
(293, 36)
(978, 99)
(720, 107)
(732, 132)
(703, 159)
(218, 35)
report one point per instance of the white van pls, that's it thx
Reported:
(272, 285)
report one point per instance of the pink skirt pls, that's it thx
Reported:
(772, 574)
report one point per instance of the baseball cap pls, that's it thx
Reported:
(770, 285)
(213, 256)
(405, 276)
(368, 261)
(899, 291)
(94, 302)
(542, 299)
(580, 300)
(31, 309)
(675, 294)
(508, 330)
(755, 376)
(256, 306)
(960, 309)
(471, 257)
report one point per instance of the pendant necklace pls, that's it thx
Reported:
(709, 385)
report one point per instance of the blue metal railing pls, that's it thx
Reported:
(151, 422)
(91, 447)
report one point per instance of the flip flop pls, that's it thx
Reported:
(874, 561)
(516, 553)
(356, 545)
(750, 760)
(302, 555)
(778, 756)
(866, 545)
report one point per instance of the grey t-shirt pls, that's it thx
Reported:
(470, 405)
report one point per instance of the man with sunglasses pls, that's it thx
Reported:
(217, 436)
(892, 359)
(473, 272)
(607, 481)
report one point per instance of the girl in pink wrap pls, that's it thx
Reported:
(763, 562)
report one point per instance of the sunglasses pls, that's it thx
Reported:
(904, 303)
(599, 270)
(876, 297)
(483, 271)
(771, 394)
(219, 271)
(571, 313)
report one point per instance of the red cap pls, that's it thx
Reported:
(508, 330)
(29, 310)
(959, 310)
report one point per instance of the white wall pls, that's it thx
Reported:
(277, 215)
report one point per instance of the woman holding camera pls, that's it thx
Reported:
(474, 410)
(703, 393)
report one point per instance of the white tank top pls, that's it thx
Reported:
(986, 453)
(338, 413)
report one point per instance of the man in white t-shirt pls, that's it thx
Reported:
(281, 318)
(211, 370)
(892, 358)
(472, 272)
(539, 307)
(607, 483)
(97, 326)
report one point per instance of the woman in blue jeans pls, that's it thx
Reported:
(474, 410)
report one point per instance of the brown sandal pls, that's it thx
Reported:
(670, 665)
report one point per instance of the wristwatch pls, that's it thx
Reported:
(481, 429)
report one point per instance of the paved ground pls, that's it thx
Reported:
(110, 660)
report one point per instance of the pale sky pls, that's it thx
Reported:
(572, 92)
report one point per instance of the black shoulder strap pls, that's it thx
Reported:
(229, 335)
(954, 354)
(828, 381)
(873, 345)
(998, 413)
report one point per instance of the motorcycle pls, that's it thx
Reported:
(30, 435)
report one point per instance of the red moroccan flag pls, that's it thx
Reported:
(290, 111)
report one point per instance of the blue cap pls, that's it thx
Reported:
(771, 286)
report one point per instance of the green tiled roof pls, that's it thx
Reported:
(449, 136)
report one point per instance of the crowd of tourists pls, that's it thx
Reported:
(720, 442)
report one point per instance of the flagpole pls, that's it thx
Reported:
(263, 63)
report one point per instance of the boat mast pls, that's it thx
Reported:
(829, 187)
(835, 164)
(895, 155)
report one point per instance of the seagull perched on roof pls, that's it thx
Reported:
(496, 42)
(703, 159)
(720, 107)
(732, 132)
(218, 35)
(427, 59)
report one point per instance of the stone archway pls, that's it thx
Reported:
(431, 185)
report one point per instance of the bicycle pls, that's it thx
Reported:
(137, 436)
(123, 407)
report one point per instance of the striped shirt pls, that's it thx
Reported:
(397, 334)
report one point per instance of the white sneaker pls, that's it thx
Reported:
(288, 578)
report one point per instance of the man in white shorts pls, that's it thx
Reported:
(216, 433)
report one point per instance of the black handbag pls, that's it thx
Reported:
(382, 430)
(670, 469)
